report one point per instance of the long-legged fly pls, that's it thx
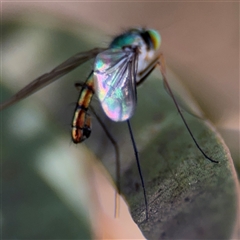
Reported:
(116, 73)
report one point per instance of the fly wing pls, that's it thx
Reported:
(115, 82)
(50, 77)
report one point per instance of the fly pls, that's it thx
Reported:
(117, 72)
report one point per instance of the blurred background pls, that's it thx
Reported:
(51, 185)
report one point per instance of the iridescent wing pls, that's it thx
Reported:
(47, 78)
(115, 82)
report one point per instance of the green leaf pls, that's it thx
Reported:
(189, 197)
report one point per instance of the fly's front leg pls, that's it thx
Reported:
(159, 60)
(81, 124)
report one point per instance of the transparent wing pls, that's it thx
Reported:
(115, 82)
(49, 77)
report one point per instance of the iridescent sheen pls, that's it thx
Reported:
(113, 84)
(155, 37)
(116, 71)
(126, 39)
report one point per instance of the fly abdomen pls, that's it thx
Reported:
(81, 128)
(81, 125)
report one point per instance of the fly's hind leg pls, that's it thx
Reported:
(81, 127)
(117, 157)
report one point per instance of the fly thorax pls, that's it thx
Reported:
(145, 57)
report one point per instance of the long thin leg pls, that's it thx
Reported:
(82, 128)
(139, 167)
(163, 71)
(118, 168)
(144, 74)
(160, 61)
(147, 71)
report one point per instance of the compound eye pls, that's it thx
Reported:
(155, 38)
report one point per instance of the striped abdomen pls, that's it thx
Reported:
(81, 125)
